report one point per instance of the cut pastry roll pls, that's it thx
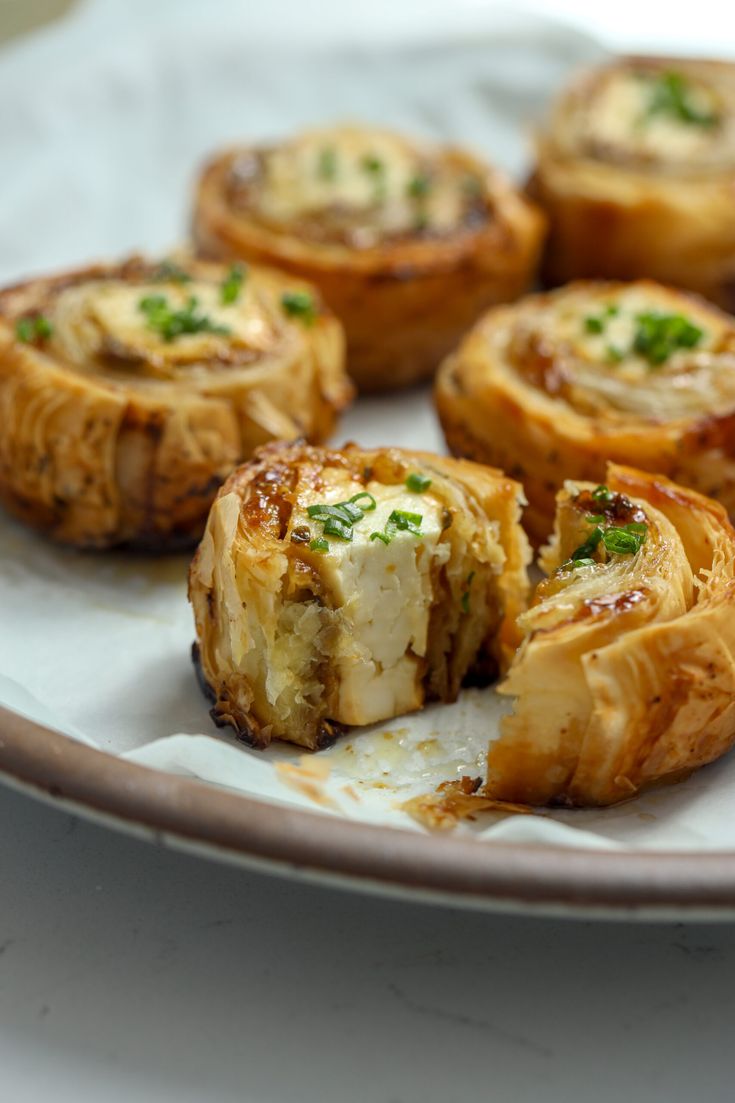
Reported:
(340, 588)
(129, 392)
(626, 675)
(559, 383)
(636, 172)
(407, 242)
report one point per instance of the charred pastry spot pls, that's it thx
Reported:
(616, 508)
(328, 733)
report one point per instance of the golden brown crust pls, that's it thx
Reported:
(296, 642)
(627, 674)
(523, 392)
(403, 300)
(622, 211)
(113, 434)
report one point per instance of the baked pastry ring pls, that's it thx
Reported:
(407, 243)
(128, 392)
(636, 172)
(626, 676)
(557, 384)
(340, 588)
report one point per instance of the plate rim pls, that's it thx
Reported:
(465, 871)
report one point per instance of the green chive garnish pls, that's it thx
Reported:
(299, 304)
(327, 163)
(319, 545)
(169, 323)
(35, 328)
(671, 94)
(232, 285)
(417, 482)
(418, 186)
(381, 536)
(593, 324)
(168, 272)
(659, 335)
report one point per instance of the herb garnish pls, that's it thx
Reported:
(659, 335)
(418, 186)
(465, 602)
(417, 482)
(375, 168)
(231, 286)
(299, 304)
(400, 520)
(170, 272)
(338, 519)
(33, 328)
(671, 94)
(319, 545)
(327, 163)
(162, 318)
(602, 495)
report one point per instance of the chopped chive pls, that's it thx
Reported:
(593, 324)
(602, 494)
(299, 304)
(357, 499)
(465, 601)
(671, 94)
(170, 323)
(33, 328)
(402, 520)
(319, 545)
(659, 335)
(418, 186)
(381, 536)
(327, 163)
(168, 271)
(417, 482)
(232, 284)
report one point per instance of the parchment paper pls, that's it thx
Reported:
(101, 128)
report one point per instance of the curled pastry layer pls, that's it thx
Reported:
(626, 676)
(636, 172)
(129, 392)
(559, 383)
(339, 588)
(407, 243)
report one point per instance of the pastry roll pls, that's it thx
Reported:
(559, 383)
(626, 675)
(340, 588)
(407, 243)
(129, 392)
(636, 172)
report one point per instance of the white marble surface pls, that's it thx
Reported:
(129, 973)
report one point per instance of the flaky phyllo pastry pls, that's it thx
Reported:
(128, 392)
(557, 384)
(339, 588)
(636, 172)
(407, 242)
(626, 675)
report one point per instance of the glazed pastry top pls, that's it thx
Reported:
(621, 350)
(359, 187)
(169, 321)
(653, 113)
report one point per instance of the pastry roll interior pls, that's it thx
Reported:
(340, 588)
(129, 392)
(408, 243)
(626, 675)
(636, 172)
(557, 384)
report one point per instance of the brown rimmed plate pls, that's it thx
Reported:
(194, 816)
